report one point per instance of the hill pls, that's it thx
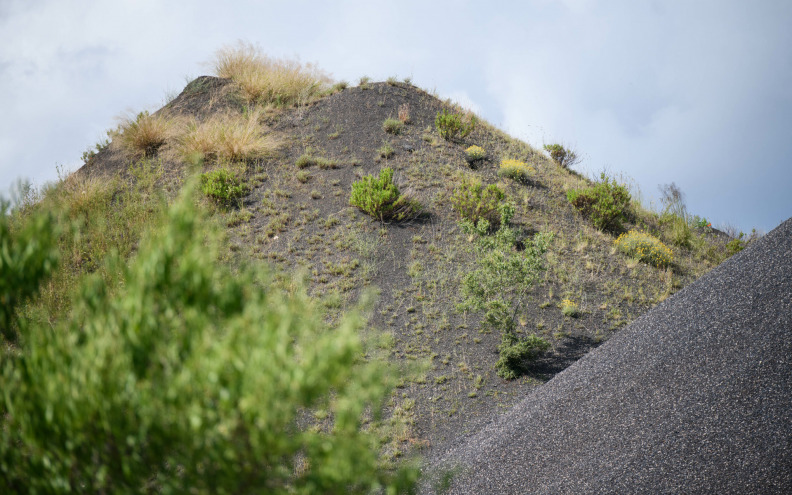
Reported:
(475, 315)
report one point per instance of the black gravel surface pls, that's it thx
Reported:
(693, 397)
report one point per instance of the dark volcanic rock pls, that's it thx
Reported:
(693, 397)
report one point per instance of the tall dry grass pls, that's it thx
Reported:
(268, 80)
(231, 137)
(144, 134)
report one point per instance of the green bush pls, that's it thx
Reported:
(644, 247)
(380, 198)
(186, 377)
(451, 125)
(605, 203)
(392, 126)
(515, 352)
(475, 202)
(562, 156)
(223, 186)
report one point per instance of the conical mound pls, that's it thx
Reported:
(693, 397)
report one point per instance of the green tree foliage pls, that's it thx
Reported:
(27, 256)
(380, 198)
(500, 287)
(605, 203)
(185, 377)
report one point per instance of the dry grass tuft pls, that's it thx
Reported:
(267, 80)
(143, 135)
(233, 137)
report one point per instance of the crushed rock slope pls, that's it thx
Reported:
(693, 397)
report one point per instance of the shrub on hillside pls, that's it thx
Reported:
(475, 202)
(516, 170)
(644, 247)
(562, 156)
(452, 126)
(154, 383)
(223, 186)
(514, 352)
(392, 126)
(475, 153)
(380, 198)
(605, 203)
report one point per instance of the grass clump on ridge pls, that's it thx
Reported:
(644, 247)
(380, 198)
(605, 203)
(392, 126)
(267, 80)
(230, 137)
(143, 135)
(516, 170)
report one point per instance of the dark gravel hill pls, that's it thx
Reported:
(693, 397)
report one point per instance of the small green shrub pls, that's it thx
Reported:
(516, 170)
(644, 247)
(392, 126)
(570, 308)
(380, 198)
(475, 202)
(386, 151)
(562, 156)
(475, 153)
(452, 126)
(307, 160)
(605, 203)
(223, 186)
(515, 352)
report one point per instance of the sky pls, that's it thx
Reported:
(698, 93)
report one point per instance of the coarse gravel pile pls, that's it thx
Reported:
(693, 397)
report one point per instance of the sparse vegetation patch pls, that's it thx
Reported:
(452, 126)
(516, 170)
(392, 126)
(475, 202)
(605, 203)
(562, 156)
(644, 247)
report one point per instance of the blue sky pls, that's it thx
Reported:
(694, 92)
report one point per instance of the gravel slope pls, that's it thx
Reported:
(693, 397)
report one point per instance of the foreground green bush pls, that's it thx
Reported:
(605, 203)
(223, 186)
(475, 202)
(451, 126)
(187, 378)
(380, 198)
(644, 247)
(514, 352)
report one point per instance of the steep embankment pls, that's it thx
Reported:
(693, 397)
(299, 218)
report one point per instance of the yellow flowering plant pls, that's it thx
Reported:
(644, 247)
(516, 170)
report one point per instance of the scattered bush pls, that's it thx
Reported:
(223, 186)
(644, 247)
(392, 126)
(605, 203)
(153, 383)
(404, 113)
(452, 126)
(380, 198)
(516, 170)
(562, 156)
(475, 202)
(145, 134)
(675, 218)
(386, 151)
(515, 352)
(475, 153)
(308, 160)
(268, 80)
(569, 308)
